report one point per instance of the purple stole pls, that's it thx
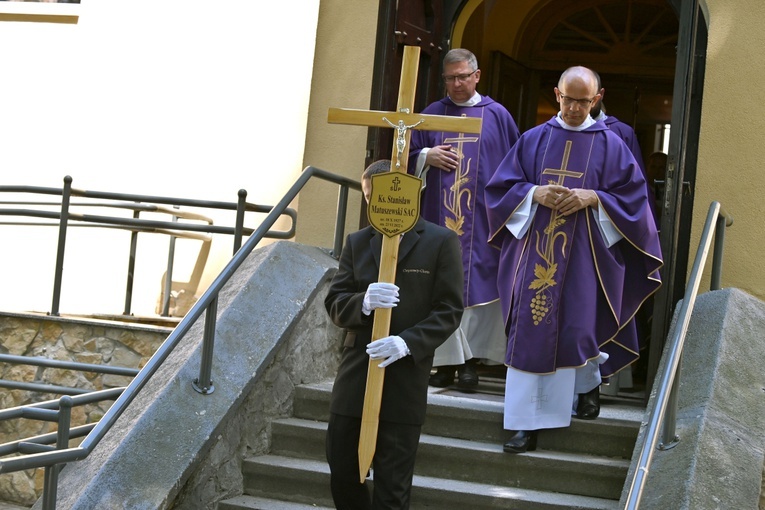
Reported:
(545, 260)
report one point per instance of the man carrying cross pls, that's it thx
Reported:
(383, 414)
(579, 255)
(427, 306)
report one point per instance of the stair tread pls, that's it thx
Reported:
(612, 408)
(257, 503)
(450, 486)
(480, 446)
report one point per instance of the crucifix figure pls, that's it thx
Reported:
(403, 121)
(401, 129)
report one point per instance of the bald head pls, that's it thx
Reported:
(579, 76)
(577, 92)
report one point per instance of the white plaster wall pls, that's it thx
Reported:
(184, 98)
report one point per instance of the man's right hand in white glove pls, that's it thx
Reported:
(379, 295)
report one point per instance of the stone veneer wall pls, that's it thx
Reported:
(175, 448)
(65, 339)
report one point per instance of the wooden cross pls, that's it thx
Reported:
(403, 120)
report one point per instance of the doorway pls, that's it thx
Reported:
(522, 48)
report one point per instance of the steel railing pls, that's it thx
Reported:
(52, 458)
(664, 414)
(66, 217)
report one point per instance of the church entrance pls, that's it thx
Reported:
(636, 46)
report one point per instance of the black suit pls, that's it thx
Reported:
(429, 276)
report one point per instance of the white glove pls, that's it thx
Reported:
(379, 295)
(392, 348)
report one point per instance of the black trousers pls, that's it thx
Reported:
(392, 465)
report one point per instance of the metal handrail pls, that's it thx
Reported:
(38, 361)
(664, 413)
(66, 218)
(207, 304)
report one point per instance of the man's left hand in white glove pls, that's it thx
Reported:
(392, 348)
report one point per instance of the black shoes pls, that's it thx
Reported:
(588, 407)
(521, 441)
(467, 377)
(443, 377)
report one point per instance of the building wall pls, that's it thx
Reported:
(731, 148)
(730, 153)
(342, 78)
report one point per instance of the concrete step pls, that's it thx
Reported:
(479, 417)
(471, 460)
(270, 476)
(460, 462)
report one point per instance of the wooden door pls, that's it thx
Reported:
(516, 87)
(423, 23)
(677, 208)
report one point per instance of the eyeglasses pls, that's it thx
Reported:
(458, 77)
(583, 103)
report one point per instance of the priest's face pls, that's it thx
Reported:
(576, 98)
(460, 81)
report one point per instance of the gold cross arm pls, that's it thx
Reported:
(376, 118)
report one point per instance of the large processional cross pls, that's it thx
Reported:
(403, 121)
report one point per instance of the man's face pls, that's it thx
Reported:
(576, 100)
(366, 188)
(460, 81)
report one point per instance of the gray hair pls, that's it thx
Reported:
(461, 55)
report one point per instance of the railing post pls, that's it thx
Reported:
(204, 384)
(169, 273)
(50, 491)
(131, 268)
(63, 221)
(669, 438)
(717, 253)
(241, 203)
(342, 208)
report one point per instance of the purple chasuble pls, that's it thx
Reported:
(565, 294)
(455, 200)
(627, 134)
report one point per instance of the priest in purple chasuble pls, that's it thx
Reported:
(455, 168)
(579, 254)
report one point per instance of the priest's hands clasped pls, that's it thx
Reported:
(392, 348)
(564, 200)
(379, 295)
(443, 156)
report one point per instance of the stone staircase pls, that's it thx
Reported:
(460, 462)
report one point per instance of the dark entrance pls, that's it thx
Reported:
(650, 55)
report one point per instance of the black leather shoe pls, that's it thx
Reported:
(521, 441)
(588, 407)
(443, 377)
(467, 377)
